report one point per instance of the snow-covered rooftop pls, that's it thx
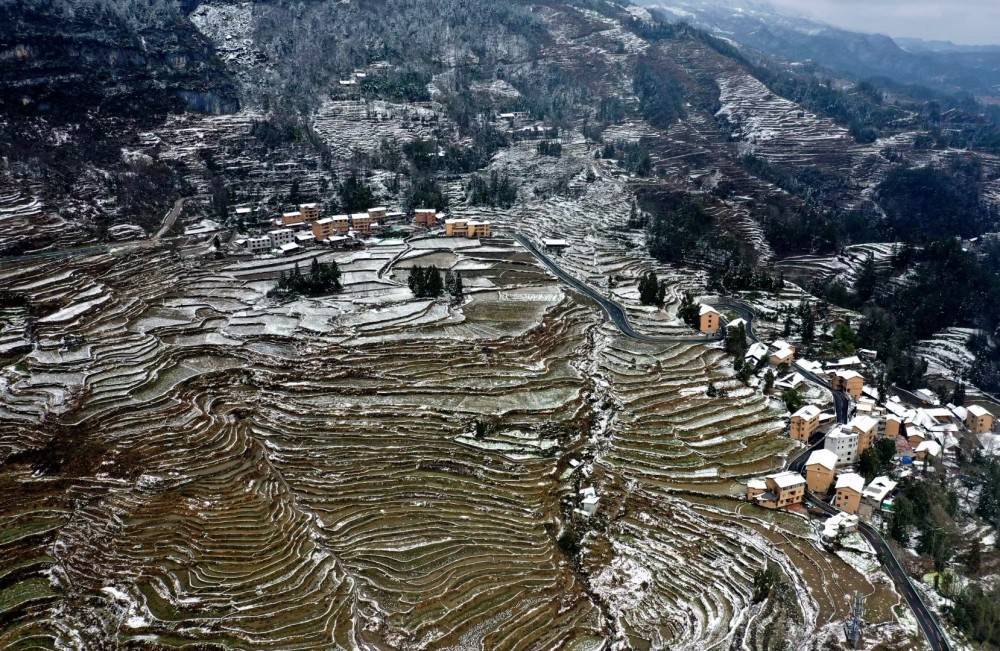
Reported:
(825, 458)
(852, 481)
(879, 489)
(807, 413)
(863, 423)
(787, 479)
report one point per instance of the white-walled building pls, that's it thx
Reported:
(281, 237)
(844, 443)
(260, 244)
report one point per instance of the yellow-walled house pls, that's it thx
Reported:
(820, 471)
(804, 423)
(850, 486)
(979, 420)
(709, 320)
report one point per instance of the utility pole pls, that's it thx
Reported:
(853, 627)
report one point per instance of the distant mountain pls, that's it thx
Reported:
(761, 27)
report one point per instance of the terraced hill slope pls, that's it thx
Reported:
(187, 462)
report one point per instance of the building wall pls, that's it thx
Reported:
(854, 387)
(802, 429)
(425, 218)
(847, 500)
(979, 425)
(479, 230)
(292, 218)
(309, 213)
(709, 323)
(819, 478)
(792, 495)
(865, 439)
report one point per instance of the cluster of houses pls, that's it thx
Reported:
(306, 225)
(920, 433)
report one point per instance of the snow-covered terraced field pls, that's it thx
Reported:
(367, 470)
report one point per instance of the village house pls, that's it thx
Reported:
(850, 382)
(874, 496)
(844, 443)
(378, 213)
(915, 435)
(476, 229)
(850, 485)
(280, 237)
(866, 428)
(289, 248)
(259, 244)
(781, 353)
(324, 229)
(804, 423)
(979, 420)
(426, 217)
(456, 227)
(927, 450)
(892, 426)
(555, 245)
(362, 223)
(736, 323)
(783, 489)
(709, 320)
(310, 211)
(755, 353)
(820, 470)
(291, 218)
(755, 488)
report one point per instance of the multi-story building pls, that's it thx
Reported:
(310, 211)
(456, 228)
(844, 443)
(709, 320)
(804, 423)
(362, 223)
(259, 244)
(979, 420)
(850, 382)
(426, 217)
(783, 489)
(866, 428)
(850, 486)
(292, 218)
(476, 229)
(280, 237)
(378, 213)
(820, 470)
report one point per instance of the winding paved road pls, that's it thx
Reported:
(928, 623)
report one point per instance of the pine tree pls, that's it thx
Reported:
(457, 290)
(416, 281)
(649, 286)
(661, 294)
(433, 284)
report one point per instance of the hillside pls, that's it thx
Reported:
(192, 456)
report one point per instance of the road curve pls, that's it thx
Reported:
(617, 313)
(928, 623)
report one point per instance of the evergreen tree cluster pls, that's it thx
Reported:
(549, 148)
(651, 290)
(425, 282)
(688, 311)
(322, 279)
(453, 285)
(497, 190)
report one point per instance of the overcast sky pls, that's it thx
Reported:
(961, 21)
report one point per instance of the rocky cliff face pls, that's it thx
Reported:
(61, 66)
